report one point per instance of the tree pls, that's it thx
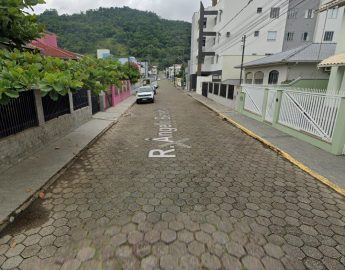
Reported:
(18, 27)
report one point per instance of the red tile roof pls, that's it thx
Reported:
(52, 51)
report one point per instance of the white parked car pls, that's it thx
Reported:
(145, 94)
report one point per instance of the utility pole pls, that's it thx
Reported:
(243, 50)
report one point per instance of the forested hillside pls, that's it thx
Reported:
(124, 31)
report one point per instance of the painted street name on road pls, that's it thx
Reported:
(166, 136)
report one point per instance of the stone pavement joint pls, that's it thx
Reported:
(228, 202)
(286, 155)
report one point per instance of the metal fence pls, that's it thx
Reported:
(80, 99)
(53, 109)
(223, 90)
(18, 115)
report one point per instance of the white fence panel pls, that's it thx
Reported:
(254, 98)
(271, 104)
(312, 113)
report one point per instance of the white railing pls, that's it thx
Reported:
(254, 98)
(311, 113)
(271, 104)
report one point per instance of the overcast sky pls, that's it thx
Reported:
(168, 9)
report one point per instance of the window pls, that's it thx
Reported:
(220, 15)
(292, 14)
(289, 36)
(204, 41)
(275, 12)
(205, 23)
(273, 77)
(249, 78)
(328, 36)
(259, 77)
(214, 41)
(228, 34)
(256, 33)
(219, 35)
(309, 14)
(305, 36)
(259, 10)
(332, 13)
(272, 35)
(217, 58)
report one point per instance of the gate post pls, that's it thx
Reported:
(89, 99)
(338, 142)
(71, 103)
(277, 107)
(39, 107)
(264, 104)
(102, 105)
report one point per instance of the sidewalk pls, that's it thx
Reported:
(327, 165)
(20, 184)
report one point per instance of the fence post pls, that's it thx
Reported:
(264, 104)
(241, 100)
(277, 107)
(102, 102)
(89, 99)
(39, 107)
(338, 143)
(71, 107)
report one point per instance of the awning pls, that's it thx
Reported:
(331, 4)
(336, 60)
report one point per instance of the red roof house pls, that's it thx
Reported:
(48, 46)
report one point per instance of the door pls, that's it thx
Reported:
(204, 89)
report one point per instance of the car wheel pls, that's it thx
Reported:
(138, 102)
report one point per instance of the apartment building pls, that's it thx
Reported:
(270, 27)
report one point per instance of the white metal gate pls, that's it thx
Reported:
(254, 98)
(309, 112)
(271, 104)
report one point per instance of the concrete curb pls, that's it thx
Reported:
(50, 181)
(282, 153)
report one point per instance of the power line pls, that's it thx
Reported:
(236, 15)
(232, 45)
(251, 24)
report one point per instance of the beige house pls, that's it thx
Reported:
(291, 65)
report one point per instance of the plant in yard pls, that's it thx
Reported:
(18, 27)
(22, 71)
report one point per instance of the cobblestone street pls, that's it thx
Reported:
(224, 202)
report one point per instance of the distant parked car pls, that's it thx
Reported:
(155, 85)
(145, 94)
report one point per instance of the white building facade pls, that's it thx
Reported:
(270, 27)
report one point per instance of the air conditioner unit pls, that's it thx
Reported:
(228, 34)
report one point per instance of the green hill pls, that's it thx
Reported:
(124, 31)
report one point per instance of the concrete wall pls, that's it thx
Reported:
(199, 82)
(17, 147)
(230, 61)
(306, 71)
(326, 23)
(298, 24)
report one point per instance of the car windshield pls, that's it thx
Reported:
(144, 89)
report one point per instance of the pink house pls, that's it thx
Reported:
(48, 46)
